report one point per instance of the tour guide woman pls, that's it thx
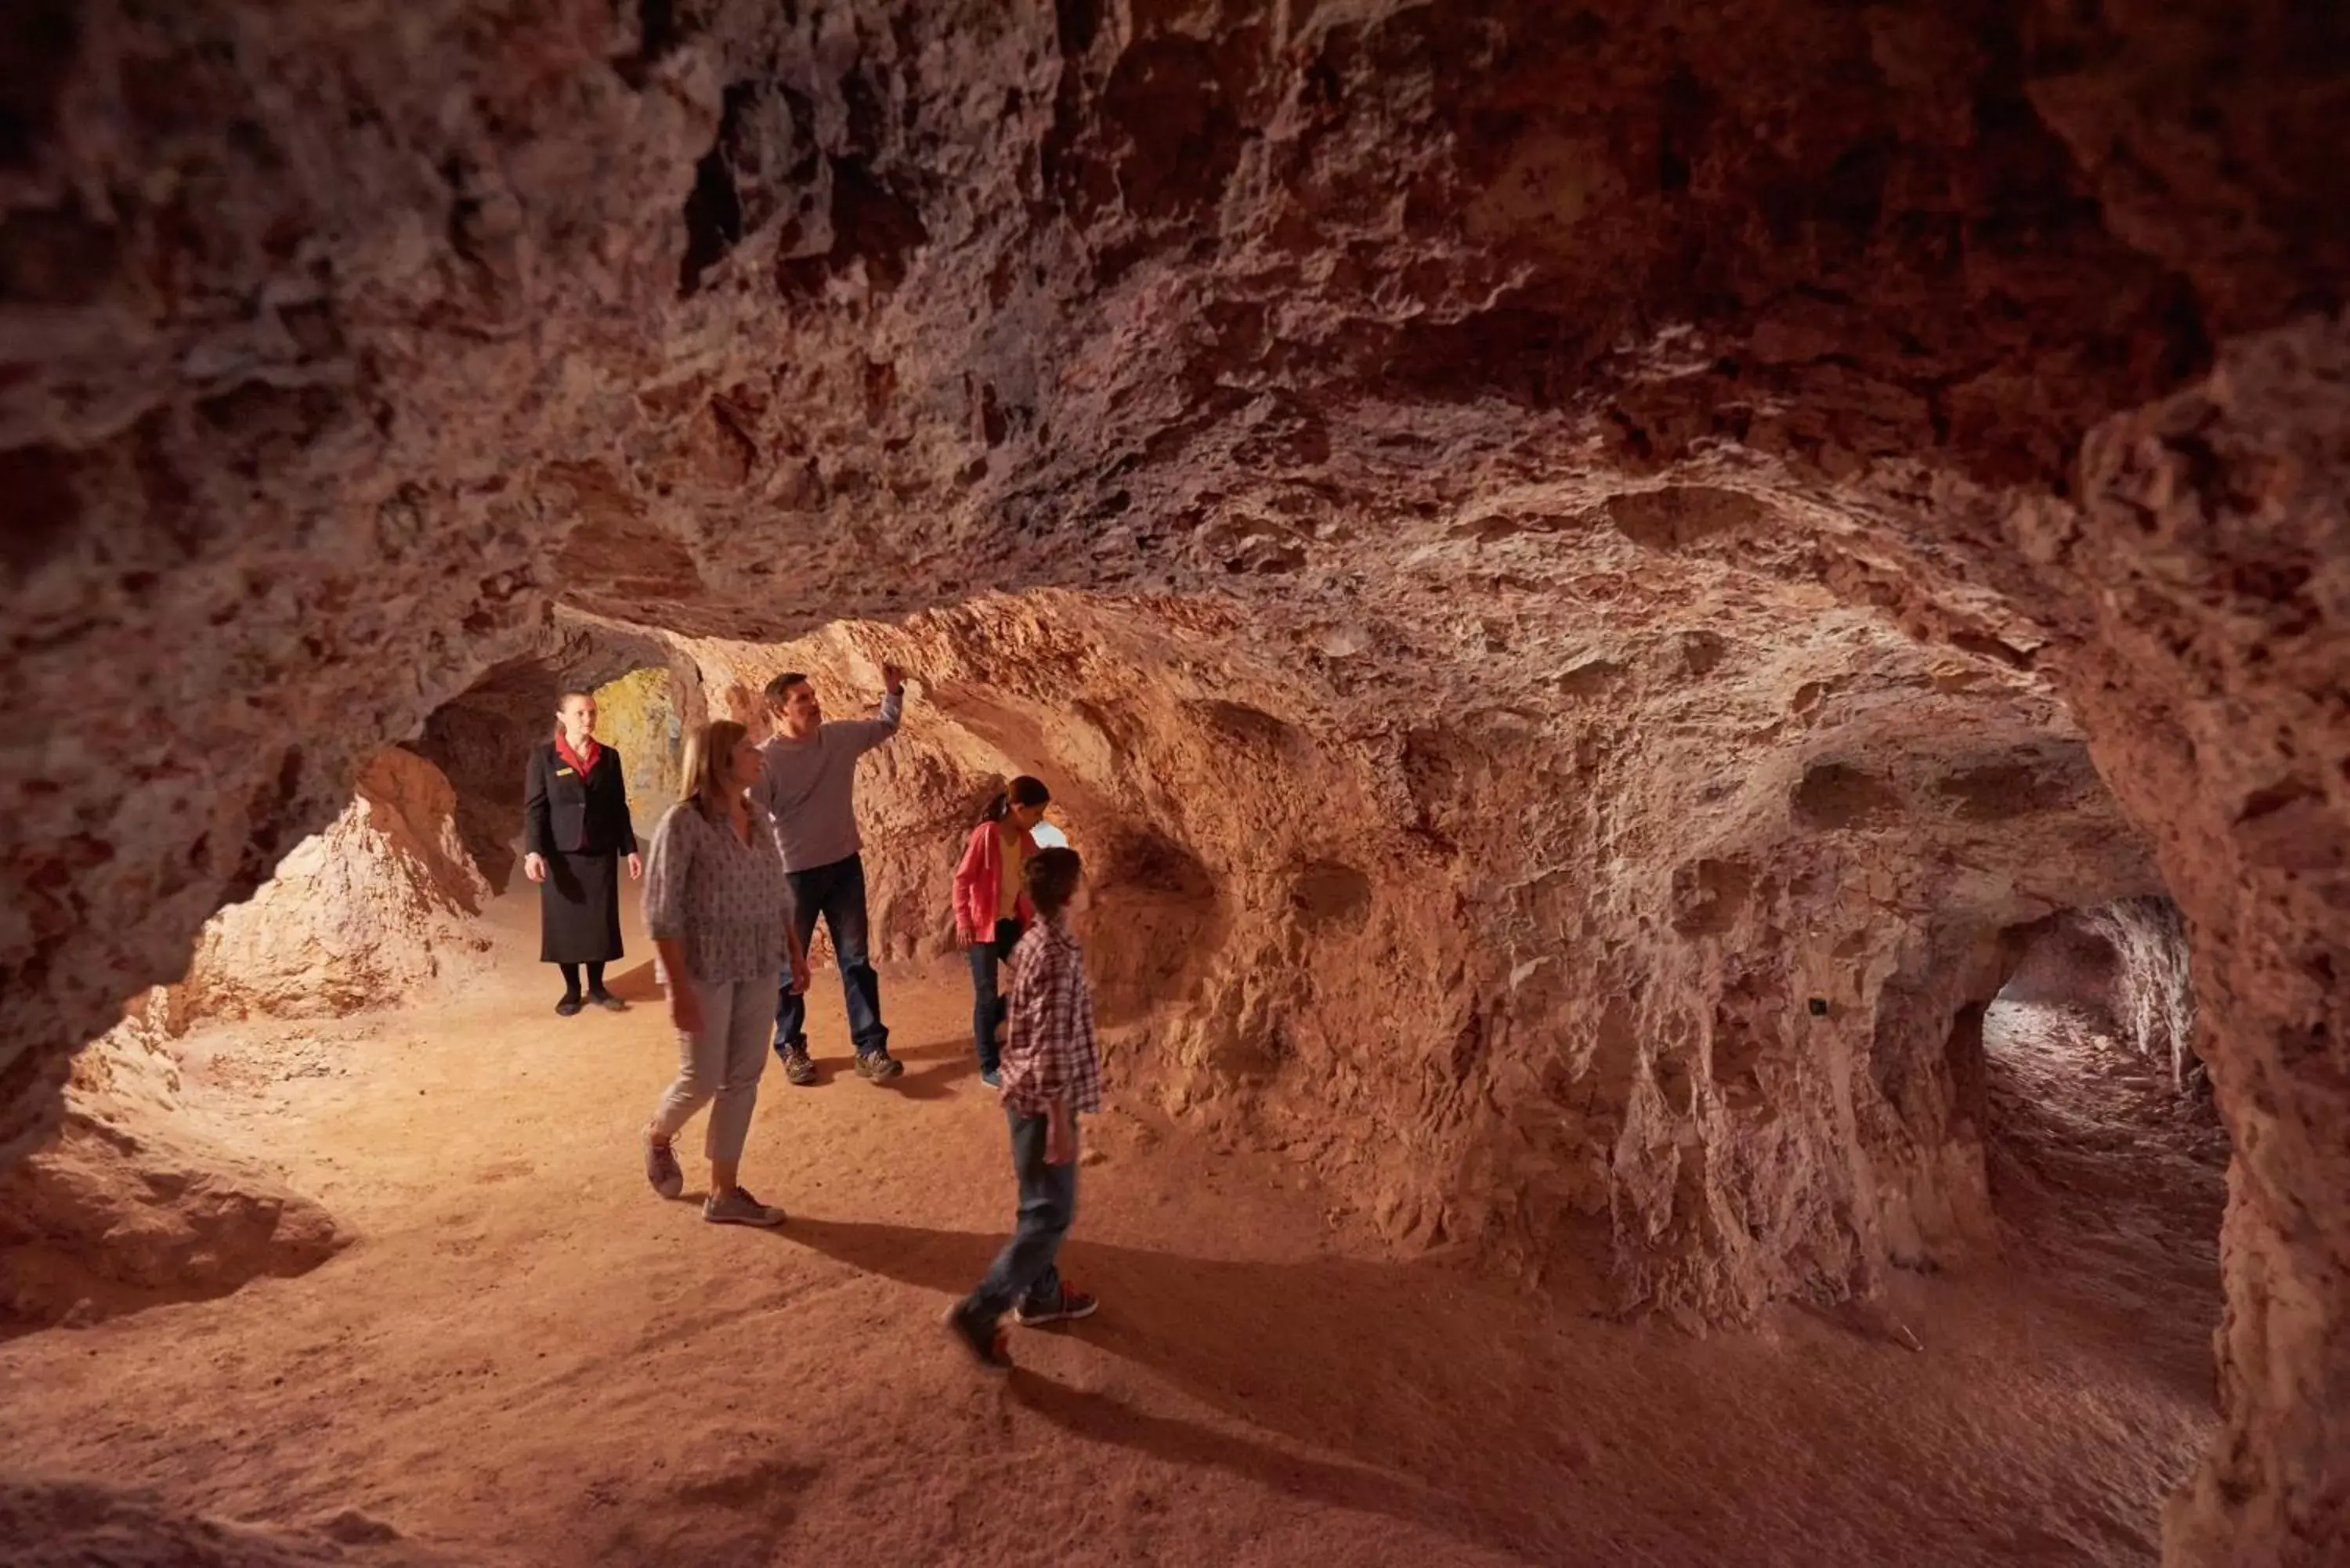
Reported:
(576, 828)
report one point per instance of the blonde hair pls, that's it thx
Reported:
(709, 753)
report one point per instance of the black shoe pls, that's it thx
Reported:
(982, 1342)
(607, 1001)
(567, 1006)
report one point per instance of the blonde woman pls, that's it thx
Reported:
(720, 912)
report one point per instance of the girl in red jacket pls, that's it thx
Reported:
(990, 903)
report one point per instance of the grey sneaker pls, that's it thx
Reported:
(799, 1069)
(739, 1207)
(661, 1168)
(876, 1066)
(1064, 1305)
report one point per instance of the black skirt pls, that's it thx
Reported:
(580, 909)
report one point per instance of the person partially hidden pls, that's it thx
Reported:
(990, 905)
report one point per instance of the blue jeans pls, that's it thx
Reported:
(986, 1005)
(1025, 1269)
(837, 893)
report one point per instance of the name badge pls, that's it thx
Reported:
(563, 773)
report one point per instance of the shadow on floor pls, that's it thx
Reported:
(1255, 1342)
(1100, 1419)
(1625, 1445)
(635, 984)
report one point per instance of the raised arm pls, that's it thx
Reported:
(870, 732)
(763, 793)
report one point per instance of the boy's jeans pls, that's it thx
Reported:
(1024, 1270)
(837, 893)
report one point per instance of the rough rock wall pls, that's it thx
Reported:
(2152, 998)
(637, 714)
(2218, 526)
(129, 1205)
(342, 339)
(82, 1524)
(367, 912)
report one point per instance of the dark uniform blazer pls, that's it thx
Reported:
(565, 812)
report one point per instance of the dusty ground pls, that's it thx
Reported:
(526, 1358)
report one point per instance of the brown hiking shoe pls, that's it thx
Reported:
(739, 1207)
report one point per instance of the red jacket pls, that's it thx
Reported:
(977, 880)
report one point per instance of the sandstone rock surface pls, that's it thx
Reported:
(130, 1206)
(378, 904)
(78, 1524)
(1600, 527)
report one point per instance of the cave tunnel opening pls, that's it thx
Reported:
(481, 739)
(2106, 1156)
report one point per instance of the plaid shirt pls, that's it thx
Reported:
(1048, 1043)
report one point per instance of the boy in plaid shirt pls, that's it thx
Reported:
(1052, 1071)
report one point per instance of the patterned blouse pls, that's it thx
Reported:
(725, 900)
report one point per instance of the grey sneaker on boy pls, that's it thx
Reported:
(799, 1069)
(661, 1168)
(739, 1207)
(1063, 1306)
(877, 1065)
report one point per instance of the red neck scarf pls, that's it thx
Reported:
(585, 761)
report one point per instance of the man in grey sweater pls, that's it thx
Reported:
(807, 788)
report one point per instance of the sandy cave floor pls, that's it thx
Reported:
(527, 1359)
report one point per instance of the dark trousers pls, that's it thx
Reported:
(837, 893)
(1026, 1269)
(986, 1004)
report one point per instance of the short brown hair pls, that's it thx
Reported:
(1052, 876)
(781, 686)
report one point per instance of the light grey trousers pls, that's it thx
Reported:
(722, 1064)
